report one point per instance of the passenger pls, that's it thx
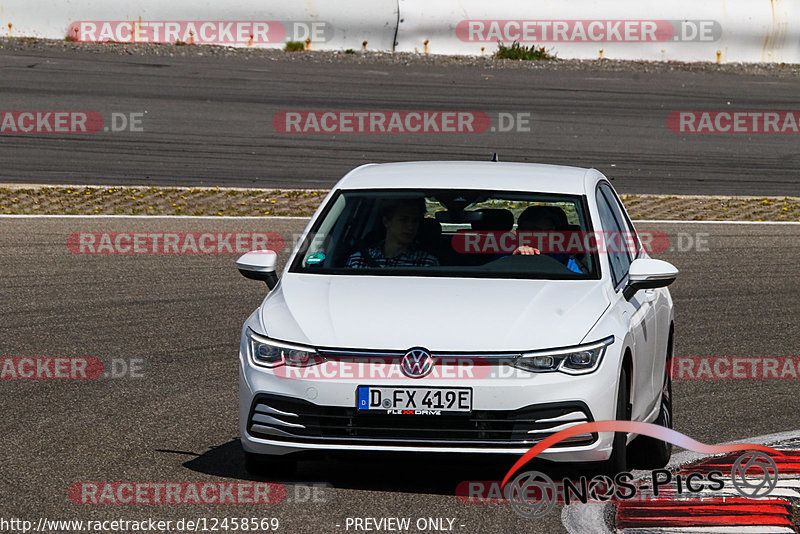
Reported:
(544, 219)
(401, 219)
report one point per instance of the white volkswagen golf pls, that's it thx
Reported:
(459, 307)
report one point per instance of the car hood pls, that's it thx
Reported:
(439, 314)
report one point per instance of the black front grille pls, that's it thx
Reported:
(277, 417)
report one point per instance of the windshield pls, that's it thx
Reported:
(455, 233)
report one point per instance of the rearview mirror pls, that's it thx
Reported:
(259, 265)
(649, 273)
(458, 217)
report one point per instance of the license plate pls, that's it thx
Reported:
(414, 401)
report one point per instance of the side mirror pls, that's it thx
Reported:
(259, 265)
(648, 273)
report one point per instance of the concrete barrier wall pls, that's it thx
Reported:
(680, 30)
(740, 30)
(332, 25)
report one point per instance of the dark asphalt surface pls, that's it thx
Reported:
(208, 121)
(182, 314)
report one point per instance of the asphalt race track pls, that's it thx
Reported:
(181, 316)
(208, 121)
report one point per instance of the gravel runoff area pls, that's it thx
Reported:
(27, 45)
(221, 201)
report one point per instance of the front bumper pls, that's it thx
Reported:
(280, 415)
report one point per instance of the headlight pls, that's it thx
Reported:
(574, 361)
(270, 353)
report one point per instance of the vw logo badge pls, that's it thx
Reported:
(417, 363)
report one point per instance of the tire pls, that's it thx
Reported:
(618, 461)
(263, 465)
(652, 453)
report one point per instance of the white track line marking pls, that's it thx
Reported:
(179, 217)
(248, 217)
(661, 221)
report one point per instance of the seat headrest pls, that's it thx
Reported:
(533, 213)
(494, 219)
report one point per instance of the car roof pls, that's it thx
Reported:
(533, 177)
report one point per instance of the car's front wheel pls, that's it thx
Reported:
(263, 465)
(618, 461)
(652, 453)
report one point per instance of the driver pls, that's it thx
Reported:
(401, 219)
(544, 219)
